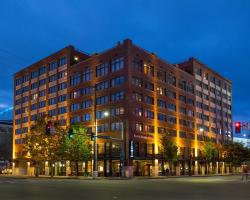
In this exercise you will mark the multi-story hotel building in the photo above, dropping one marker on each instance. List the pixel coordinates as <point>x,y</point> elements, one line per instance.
<point>145,97</point>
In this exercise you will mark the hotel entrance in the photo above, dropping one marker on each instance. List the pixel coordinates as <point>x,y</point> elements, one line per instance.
<point>143,168</point>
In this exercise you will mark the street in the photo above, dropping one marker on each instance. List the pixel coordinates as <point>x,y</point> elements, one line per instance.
<point>200,188</point>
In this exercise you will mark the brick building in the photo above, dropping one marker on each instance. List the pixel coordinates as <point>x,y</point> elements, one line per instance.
<point>137,96</point>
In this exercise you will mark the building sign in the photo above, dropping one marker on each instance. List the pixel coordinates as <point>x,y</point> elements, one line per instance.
<point>131,149</point>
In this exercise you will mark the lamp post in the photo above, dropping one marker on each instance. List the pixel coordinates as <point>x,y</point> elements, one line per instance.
<point>95,171</point>
<point>106,114</point>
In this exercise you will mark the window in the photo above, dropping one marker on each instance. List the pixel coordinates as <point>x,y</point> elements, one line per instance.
<point>86,91</point>
<point>116,126</point>
<point>62,110</point>
<point>42,104</point>
<point>162,117</point>
<point>171,119</point>
<point>149,100</point>
<point>198,71</point>
<point>199,104</point>
<point>42,82</point>
<point>138,112</point>
<point>74,107</point>
<point>139,127</point>
<point>161,103</point>
<point>117,111</point>
<point>26,78</point>
<point>87,75</point>
<point>25,99</point>
<point>19,81</point>
<point>52,112</point>
<point>172,132</point>
<point>162,130</point>
<point>102,100</point>
<point>52,65</point>
<point>34,85</point>
<point>171,79</point>
<point>53,78</point>
<point>52,89</point>
<point>42,93</point>
<point>190,113</point>
<point>42,70</point>
<point>149,128</point>
<point>149,114</point>
<point>34,106</point>
<point>100,114</point>
<point>62,74</point>
<point>52,101</point>
<point>183,111</point>
<point>75,79</point>
<point>102,86</point>
<point>102,70</point>
<point>102,128</point>
<point>182,134</point>
<point>148,69</point>
<point>87,117</point>
<point>117,64</point>
<point>62,86</point>
<point>62,61</point>
<point>137,81</point>
<point>62,98</point>
<point>34,96</point>
<point>183,122</point>
<point>117,81</point>
<point>170,94</point>
<point>171,107</point>
<point>137,97</point>
<point>137,65</point>
<point>190,101</point>
<point>35,74</point>
<point>182,98</point>
<point>87,103</point>
<point>182,85</point>
<point>117,96</point>
<point>74,119</point>
<point>149,86</point>
<point>190,88</point>
<point>161,76</point>
<point>160,90</point>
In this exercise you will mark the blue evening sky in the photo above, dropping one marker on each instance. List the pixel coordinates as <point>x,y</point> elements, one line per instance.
<point>217,32</point>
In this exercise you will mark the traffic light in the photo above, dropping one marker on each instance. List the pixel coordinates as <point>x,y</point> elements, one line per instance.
<point>92,136</point>
<point>71,133</point>
<point>237,127</point>
<point>48,128</point>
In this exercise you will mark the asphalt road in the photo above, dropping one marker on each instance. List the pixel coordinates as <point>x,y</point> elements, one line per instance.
<point>200,188</point>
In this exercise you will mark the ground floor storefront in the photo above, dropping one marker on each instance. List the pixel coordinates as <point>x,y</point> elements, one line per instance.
<point>117,168</point>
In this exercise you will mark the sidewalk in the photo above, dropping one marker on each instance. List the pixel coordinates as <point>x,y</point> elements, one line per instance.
<point>109,178</point>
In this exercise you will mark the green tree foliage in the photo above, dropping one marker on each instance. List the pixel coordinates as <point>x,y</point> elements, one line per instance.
<point>169,150</point>
<point>210,152</point>
<point>76,148</point>
<point>235,153</point>
<point>41,147</point>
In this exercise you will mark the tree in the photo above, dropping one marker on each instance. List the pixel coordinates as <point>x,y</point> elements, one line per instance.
<point>235,153</point>
<point>210,153</point>
<point>41,146</point>
<point>77,147</point>
<point>169,150</point>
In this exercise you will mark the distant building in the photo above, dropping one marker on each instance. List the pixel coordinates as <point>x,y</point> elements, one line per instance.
<point>244,136</point>
<point>6,129</point>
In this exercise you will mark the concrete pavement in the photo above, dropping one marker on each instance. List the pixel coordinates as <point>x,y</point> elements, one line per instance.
<point>195,188</point>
